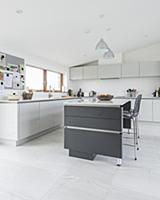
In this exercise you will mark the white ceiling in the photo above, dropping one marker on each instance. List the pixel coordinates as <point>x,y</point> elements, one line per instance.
<point>56,29</point>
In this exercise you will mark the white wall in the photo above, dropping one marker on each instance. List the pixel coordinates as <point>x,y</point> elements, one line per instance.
<point>149,53</point>
<point>119,86</point>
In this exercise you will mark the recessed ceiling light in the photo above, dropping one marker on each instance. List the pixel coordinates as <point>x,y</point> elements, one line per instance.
<point>146,36</point>
<point>87,31</point>
<point>101,16</point>
<point>108,29</point>
<point>19,11</point>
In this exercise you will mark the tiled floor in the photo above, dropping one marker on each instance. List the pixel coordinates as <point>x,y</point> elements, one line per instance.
<point>42,170</point>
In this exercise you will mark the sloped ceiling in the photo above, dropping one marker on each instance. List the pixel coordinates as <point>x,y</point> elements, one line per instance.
<point>66,31</point>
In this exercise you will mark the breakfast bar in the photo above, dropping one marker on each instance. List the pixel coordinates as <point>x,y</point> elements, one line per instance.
<point>93,128</point>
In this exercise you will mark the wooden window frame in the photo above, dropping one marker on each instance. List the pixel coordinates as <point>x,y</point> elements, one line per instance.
<point>45,80</point>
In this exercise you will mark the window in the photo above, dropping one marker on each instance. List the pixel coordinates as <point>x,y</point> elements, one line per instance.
<point>34,78</point>
<point>43,80</point>
<point>53,81</point>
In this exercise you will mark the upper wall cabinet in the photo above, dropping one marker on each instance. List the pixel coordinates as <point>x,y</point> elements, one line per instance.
<point>130,70</point>
<point>149,69</point>
<point>90,72</point>
<point>76,73</point>
<point>109,71</point>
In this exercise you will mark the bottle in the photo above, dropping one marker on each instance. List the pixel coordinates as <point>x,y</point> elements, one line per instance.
<point>154,93</point>
<point>159,92</point>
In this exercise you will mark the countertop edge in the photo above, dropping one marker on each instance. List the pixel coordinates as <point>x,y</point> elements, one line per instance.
<point>34,100</point>
<point>152,98</point>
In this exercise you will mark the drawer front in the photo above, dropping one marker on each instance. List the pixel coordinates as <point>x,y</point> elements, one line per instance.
<point>93,142</point>
<point>93,112</point>
<point>94,123</point>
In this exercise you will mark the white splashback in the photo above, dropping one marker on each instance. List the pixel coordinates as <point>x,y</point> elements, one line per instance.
<point>118,86</point>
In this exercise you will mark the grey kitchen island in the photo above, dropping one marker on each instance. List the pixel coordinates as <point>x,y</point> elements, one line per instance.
<point>93,128</point>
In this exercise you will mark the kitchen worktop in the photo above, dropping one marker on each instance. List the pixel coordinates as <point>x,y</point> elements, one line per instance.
<point>143,97</point>
<point>97,103</point>
<point>36,100</point>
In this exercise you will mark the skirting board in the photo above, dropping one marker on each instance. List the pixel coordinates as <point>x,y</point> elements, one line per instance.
<point>27,139</point>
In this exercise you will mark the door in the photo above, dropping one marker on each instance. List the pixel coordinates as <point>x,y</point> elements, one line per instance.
<point>51,114</point>
<point>90,72</point>
<point>130,70</point>
<point>146,110</point>
<point>156,110</point>
<point>109,71</point>
<point>149,69</point>
<point>28,119</point>
<point>76,73</point>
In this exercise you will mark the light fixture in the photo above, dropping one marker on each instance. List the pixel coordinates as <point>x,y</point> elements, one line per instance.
<point>101,16</point>
<point>108,29</point>
<point>108,54</point>
<point>19,11</point>
<point>87,31</point>
<point>101,45</point>
<point>146,36</point>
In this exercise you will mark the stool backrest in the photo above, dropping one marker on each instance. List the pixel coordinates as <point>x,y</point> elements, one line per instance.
<point>137,105</point>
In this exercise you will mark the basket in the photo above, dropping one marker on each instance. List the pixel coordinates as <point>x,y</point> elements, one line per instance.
<point>107,97</point>
<point>27,96</point>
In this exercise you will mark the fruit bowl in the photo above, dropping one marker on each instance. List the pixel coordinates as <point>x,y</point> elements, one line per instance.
<point>105,97</point>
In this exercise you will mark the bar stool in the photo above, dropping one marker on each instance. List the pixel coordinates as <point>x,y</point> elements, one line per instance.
<point>133,115</point>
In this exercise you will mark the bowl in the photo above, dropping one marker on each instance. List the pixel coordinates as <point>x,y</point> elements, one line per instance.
<point>105,97</point>
<point>27,96</point>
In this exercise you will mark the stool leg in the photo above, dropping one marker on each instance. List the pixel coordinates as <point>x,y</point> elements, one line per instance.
<point>119,162</point>
<point>134,132</point>
<point>138,129</point>
<point>137,142</point>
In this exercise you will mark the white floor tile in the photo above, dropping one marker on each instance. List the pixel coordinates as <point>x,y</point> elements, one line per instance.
<point>42,170</point>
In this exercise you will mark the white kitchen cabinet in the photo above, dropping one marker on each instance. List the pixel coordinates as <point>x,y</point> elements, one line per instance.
<point>90,72</point>
<point>51,114</point>
<point>146,110</point>
<point>28,119</point>
<point>149,69</point>
<point>130,70</point>
<point>156,110</point>
<point>8,121</point>
<point>76,73</point>
<point>109,71</point>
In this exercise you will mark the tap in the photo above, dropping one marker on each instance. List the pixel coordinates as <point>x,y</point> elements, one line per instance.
<point>50,92</point>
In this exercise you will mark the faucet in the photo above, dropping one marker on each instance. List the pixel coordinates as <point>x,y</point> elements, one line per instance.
<point>50,92</point>
<point>50,95</point>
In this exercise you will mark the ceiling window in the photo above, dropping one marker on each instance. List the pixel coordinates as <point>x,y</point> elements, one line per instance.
<point>34,78</point>
<point>54,81</point>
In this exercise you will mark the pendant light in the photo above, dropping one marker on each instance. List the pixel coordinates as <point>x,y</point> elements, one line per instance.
<point>101,45</point>
<point>108,54</point>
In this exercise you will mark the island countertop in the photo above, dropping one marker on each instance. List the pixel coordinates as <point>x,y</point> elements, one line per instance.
<point>112,103</point>
<point>143,97</point>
